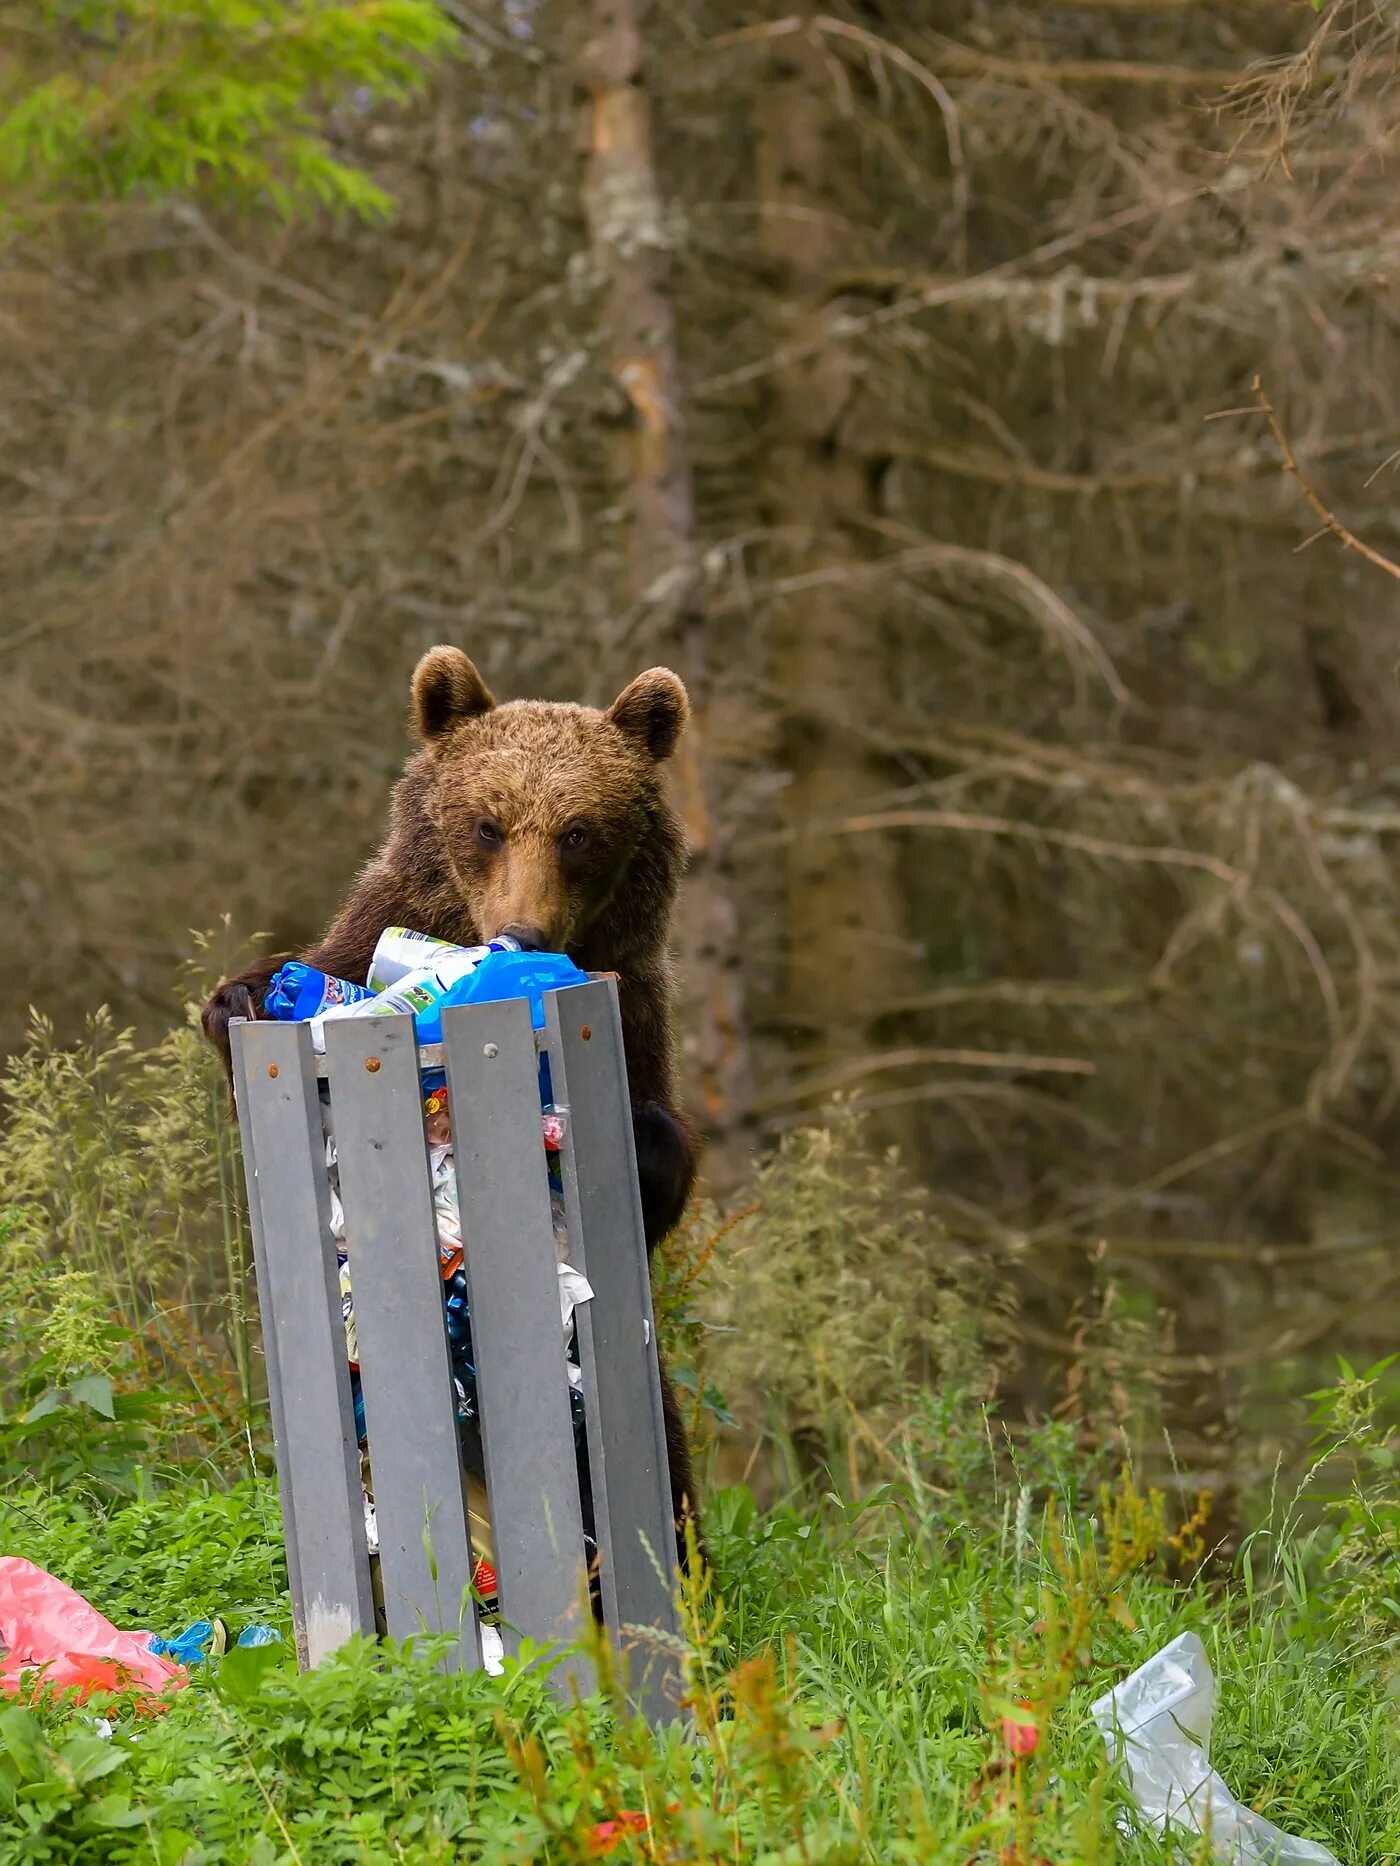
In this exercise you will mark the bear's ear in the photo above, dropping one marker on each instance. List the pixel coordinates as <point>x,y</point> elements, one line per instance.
<point>446,690</point>
<point>653,711</point>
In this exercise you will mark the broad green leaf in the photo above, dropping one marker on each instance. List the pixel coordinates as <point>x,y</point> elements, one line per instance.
<point>95,1392</point>
<point>114,1811</point>
<point>90,1758</point>
<point>243,1670</point>
<point>23,1739</point>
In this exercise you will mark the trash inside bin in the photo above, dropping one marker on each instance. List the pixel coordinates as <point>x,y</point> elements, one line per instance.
<point>448,975</point>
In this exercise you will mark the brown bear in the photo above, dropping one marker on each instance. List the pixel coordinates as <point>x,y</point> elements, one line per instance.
<point>550,823</point>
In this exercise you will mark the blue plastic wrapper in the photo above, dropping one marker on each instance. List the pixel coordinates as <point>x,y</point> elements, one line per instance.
<point>528,975</point>
<point>187,1648</point>
<point>204,1637</point>
<point>503,975</point>
<point>259,1636</point>
<point>299,991</point>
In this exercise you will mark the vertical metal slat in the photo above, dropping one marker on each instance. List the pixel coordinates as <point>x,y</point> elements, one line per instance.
<point>628,1466</point>
<point>405,1375</point>
<point>269,1337</point>
<point>299,1300</point>
<point>531,1473</point>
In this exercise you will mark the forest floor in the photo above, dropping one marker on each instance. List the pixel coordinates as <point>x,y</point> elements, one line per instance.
<point>906,1678</point>
<point>896,1662</point>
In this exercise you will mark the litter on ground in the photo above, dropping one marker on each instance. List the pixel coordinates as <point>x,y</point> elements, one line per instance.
<point>1157,1726</point>
<point>53,1639</point>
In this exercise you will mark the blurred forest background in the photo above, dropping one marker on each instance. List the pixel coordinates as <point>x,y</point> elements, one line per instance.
<point>889,371</point>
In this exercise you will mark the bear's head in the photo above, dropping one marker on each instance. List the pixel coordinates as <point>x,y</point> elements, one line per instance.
<point>545,813</point>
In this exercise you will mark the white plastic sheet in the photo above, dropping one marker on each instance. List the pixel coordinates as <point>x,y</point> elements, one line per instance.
<point>1157,1724</point>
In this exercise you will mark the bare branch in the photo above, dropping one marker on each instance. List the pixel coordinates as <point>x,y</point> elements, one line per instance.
<point>1086,70</point>
<point>963,823</point>
<point>1329,519</point>
<point>879,47</point>
<point>829,1081</point>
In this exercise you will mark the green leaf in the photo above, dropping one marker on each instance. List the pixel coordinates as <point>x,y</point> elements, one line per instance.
<point>51,1401</point>
<point>89,1758</point>
<point>95,1392</point>
<point>114,1811</point>
<point>243,1671</point>
<point>176,1846</point>
<point>23,1739</point>
<point>732,1510</point>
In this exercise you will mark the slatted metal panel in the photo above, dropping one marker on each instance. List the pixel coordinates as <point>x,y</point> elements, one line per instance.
<point>527,1434</point>
<point>491,1057</point>
<point>628,1467</point>
<point>300,1301</point>
<point>405,1375</point>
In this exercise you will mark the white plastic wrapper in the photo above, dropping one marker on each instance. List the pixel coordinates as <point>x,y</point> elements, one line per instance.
<point>1157,1724</point>
<point>317,1025</point>
<point>493,1651</point>
<point>446,1212</point>
<point>574,1287</point>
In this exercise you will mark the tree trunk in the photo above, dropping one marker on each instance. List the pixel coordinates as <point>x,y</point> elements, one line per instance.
<point>651,468</point>
<point>847,916</point>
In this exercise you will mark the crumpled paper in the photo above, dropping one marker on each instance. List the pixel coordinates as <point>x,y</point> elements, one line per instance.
<point>1157,1725</point>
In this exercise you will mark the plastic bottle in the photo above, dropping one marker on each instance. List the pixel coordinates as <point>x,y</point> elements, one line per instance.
<point>299,991</point>
<point>423,993</point>
<point>401,951</point>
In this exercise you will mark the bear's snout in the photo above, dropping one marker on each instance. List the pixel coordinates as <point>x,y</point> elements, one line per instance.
<point>528,938</point>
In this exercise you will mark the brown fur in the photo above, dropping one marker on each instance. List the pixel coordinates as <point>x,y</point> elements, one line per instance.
<point>479,844</point>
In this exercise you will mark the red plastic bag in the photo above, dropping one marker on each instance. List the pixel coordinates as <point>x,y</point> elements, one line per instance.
<point>50,1632</point>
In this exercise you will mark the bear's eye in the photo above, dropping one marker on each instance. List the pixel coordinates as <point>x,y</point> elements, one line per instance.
<point>490,835</point>
<point>574,838</point>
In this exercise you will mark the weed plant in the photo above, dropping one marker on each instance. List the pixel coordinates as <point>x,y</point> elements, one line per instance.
<point>893,1661</point>
<point>861,1682</point>
<point>126,1292</point>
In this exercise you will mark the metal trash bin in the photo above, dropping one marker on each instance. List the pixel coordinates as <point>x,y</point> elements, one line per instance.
<point>372,1072</point>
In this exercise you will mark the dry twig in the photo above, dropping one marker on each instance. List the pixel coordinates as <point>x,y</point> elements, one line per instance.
<point>1329,518</point>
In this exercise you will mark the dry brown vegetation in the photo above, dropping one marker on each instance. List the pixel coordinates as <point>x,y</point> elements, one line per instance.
<point>890,370</point>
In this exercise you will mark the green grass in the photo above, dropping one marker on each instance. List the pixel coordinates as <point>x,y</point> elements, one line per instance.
<point>848,1697</point>
<point>849,1674</point>
<point>158,1562</point>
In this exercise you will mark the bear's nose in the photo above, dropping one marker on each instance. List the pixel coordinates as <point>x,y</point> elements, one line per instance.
<point>529,939</point>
